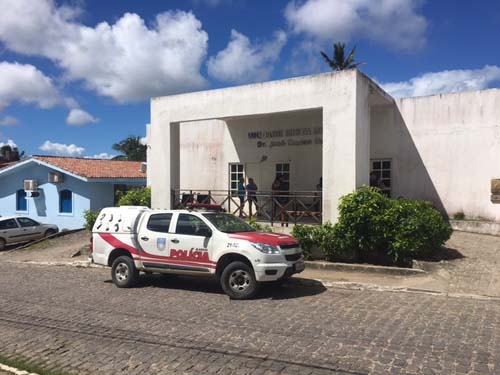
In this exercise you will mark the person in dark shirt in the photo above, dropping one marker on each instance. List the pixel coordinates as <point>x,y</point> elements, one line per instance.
<point>241,194</point>
<point>252,196</point>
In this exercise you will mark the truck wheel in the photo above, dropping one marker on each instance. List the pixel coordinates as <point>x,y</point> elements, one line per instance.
<point>124,273</point>
<point>238,281</point>
<point>2,244</point>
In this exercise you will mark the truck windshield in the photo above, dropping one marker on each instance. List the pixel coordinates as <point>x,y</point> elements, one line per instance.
<point>228,223</point>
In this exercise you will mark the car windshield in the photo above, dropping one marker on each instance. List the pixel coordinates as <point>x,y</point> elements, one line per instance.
<point>228,223</point>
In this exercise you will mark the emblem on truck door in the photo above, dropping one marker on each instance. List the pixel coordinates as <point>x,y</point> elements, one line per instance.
<point>161,243</point>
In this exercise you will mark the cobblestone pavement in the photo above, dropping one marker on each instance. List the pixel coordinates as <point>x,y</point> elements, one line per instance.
<point>76,320</point>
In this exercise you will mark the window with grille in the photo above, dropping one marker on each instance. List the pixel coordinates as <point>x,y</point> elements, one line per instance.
<point>236,171</point>
<point>382,170</point>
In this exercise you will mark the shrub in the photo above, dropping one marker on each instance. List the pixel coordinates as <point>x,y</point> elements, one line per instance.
<point>417,229</point>
<point>459,216</point>
<point>374,227</point>
<point>258,227</point>
<point>306,237</point>
<point>136,197</point>
<point>362,228</point>
<point>90,218</point>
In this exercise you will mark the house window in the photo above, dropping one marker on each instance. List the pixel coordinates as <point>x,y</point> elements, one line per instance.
<point>236,171</point>
<point>21,202</point>
<point>65,202</point>
<point>382,169</point>
<point>283,169</point>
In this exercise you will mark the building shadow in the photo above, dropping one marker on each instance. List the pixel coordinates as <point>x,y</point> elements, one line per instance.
<point>293,288</point>
<point>392,139</point>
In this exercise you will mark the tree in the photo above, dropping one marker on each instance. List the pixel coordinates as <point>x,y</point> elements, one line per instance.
<point>132,149</point>
<point>339,61</point>
<point>10,154</point>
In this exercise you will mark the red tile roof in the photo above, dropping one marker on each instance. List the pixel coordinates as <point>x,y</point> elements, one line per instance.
<point>96,168</point>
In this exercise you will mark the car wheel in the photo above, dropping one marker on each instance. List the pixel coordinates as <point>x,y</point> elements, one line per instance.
<point>50,232</point>
<point>124,273</point>
<point>2,244</point>
<point>238,281</point>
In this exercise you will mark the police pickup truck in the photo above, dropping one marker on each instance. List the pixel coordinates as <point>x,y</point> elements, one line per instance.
<point>192,242</point>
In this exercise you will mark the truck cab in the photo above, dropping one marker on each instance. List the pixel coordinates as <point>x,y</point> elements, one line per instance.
<point>192,242</point>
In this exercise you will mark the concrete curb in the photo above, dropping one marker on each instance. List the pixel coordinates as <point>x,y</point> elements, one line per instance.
<point>367,268</point>
<point>14,370</point>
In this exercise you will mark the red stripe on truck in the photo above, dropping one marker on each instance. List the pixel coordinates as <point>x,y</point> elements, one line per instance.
<point>117,244</point>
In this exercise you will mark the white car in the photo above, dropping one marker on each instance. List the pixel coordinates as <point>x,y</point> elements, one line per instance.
<point>133,239</point>
<point>15,229</point>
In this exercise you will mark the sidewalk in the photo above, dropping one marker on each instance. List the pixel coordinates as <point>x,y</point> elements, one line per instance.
<point>476,273</point>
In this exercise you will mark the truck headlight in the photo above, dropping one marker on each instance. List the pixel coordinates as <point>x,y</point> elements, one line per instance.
<point>265,248</point>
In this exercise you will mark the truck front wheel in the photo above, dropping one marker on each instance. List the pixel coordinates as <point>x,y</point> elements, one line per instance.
<point>124,273</point>
<point>238,281</point>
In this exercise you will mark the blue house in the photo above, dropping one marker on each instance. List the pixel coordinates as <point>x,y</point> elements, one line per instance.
<point>57,190</point>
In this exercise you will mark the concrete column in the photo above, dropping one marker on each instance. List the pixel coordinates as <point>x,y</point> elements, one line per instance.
<point>163,162</point>
<point>346,147</point>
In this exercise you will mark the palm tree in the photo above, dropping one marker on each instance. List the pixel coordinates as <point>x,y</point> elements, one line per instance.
<point>339,61</point>
<point>132,149</point>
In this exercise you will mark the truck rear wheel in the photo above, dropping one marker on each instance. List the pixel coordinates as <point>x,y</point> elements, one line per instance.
<point>2,243</point>
<point>238,281</point>
<point>124,273</point>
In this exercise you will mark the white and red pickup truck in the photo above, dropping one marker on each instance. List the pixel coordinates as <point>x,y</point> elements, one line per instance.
<point>188,242</point>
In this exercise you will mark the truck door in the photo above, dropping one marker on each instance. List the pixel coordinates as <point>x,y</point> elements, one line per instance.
<point>153,237</point>
<point>189,246</point>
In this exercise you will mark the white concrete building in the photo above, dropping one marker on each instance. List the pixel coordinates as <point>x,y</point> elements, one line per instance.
<point>339,126</point>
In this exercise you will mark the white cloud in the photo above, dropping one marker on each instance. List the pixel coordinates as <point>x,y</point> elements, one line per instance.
<point>127,60</point>
<point>9,142</point>
<point>78,117</point>
<point>9,121</point>
<point>241,61</point>
<point>102,155</point>
<point>395,23</point>
<point>62,149</point>
<point>446,81</point>
<point>26,84</point>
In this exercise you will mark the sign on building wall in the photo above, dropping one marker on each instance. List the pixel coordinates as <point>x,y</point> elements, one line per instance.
<point>495,190</point>
<point>287,137</point>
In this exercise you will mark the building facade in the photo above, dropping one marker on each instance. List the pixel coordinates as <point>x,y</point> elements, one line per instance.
<point>337,128</point>
<point>64,187</point>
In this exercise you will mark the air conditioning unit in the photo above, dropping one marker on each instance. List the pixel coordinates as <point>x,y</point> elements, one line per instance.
<point>56,178</point>
<point>144,167</point>
<point>30,185</point>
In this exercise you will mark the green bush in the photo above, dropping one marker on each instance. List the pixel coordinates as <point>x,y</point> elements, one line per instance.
<point>258,227</point>
<point>90,218</point>
<point>417,229</point>
<point>306,237</point>
<point>459,216</point>
<point>136,197</point>
<point>372,226</point>
<point>361,230</point>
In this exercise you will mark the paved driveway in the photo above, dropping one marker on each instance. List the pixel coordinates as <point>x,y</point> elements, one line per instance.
<point>76,320</point>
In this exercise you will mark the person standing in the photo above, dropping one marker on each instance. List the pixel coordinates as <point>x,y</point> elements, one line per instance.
<point>252,196</point>
<point>241,194</point>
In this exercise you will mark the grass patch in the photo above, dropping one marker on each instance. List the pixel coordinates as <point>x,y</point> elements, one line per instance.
<point>29,366</point>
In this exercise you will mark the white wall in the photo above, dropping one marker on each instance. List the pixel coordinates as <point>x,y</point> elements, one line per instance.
<point>344,129</point>
<point>211,145</point>
<point>445,148</point>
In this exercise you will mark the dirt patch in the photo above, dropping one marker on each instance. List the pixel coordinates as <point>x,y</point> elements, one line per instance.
<point>61,248</point>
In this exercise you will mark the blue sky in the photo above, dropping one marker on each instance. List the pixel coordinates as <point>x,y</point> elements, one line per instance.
<point>75,76</point>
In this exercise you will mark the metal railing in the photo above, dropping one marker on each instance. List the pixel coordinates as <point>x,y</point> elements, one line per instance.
<point>284,207</point>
